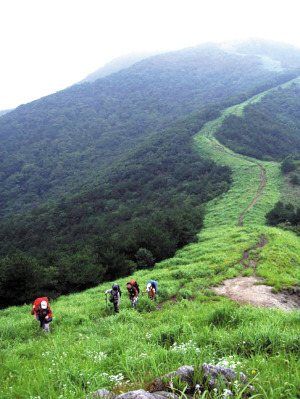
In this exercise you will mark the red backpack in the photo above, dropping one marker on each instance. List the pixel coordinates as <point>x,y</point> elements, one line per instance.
<point>135,284</point>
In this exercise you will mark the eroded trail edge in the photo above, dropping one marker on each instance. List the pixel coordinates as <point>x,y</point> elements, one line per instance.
<point>252,291</point>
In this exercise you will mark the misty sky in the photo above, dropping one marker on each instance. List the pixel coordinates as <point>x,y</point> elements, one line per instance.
<point>47,45</point>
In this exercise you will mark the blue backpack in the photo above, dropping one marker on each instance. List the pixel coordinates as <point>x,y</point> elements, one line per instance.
<point>153,283</point>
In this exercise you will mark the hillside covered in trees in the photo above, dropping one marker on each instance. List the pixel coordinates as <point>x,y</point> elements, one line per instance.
<point>51,147</point>
<point>102,178</point>
<point>269,129</point>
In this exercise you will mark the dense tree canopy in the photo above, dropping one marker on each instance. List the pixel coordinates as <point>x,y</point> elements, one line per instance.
<point>52,146</point>
<point>269,129</point>
<point>152,199</point>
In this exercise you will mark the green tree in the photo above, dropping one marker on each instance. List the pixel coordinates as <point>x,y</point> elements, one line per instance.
<point>21,279</point>
<point>144,259</point>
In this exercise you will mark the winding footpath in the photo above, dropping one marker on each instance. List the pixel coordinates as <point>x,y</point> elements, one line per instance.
<point>259,194</point>
<point>250,290</point>
<point>263,178</point>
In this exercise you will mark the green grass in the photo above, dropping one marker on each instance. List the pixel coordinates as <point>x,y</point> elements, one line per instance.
<point>91,348</point>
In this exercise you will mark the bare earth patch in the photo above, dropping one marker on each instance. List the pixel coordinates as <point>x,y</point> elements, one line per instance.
<point>242,289</point>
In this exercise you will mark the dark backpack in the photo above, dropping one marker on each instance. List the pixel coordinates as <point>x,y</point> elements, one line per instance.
<point>42,313</point>
<point>135,284</point>
<point>117,288</point>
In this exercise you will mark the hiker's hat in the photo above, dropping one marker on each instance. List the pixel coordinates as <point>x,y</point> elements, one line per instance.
<point>148,286</point>
<point>44,305</point>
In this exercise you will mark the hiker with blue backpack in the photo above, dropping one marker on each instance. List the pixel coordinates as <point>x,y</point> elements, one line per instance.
<point>115,296</point>
<point>151,289</point>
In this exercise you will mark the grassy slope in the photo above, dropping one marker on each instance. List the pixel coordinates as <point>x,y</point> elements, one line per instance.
<point>87,341</point>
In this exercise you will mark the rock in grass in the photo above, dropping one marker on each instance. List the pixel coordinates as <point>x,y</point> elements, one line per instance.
<point>164,395</point>
<point>184,372</point>
<point>215,375</point>
<point>102,393</point>
<point>141,394</point>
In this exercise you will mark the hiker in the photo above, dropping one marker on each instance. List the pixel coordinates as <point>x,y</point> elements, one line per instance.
<point>133,292</point>
<point>115,296</point>
<point>151,289</point>
<point>42,312</point>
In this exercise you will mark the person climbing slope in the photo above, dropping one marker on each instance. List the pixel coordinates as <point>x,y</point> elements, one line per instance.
<point>133,292</point>
<point>115,296</point>
<point>151,289</point>
<point>42,312</point>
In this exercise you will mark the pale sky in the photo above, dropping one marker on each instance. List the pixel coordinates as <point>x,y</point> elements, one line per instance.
<point>47,45</point>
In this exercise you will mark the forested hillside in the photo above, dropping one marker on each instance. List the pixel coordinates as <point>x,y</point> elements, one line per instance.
<point>269,129</point>
<point>117,64</point>
<point>102,178</point>
<point>51,147</point>
<point>147,207</point>
<point>5,112</point>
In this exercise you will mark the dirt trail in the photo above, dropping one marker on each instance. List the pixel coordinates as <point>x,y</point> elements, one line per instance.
<point>244,290</point>
<point>252,263</point>
<point>263,179</point>
<point>250,290</point>
<point>259,193</point>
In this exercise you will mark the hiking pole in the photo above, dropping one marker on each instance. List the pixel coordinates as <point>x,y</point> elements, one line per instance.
<point>36,327</point>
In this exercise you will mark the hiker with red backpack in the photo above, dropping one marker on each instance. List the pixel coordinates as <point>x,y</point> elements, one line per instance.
<point>42,312</point>
<point>115,296</point>
<point>133,292</point>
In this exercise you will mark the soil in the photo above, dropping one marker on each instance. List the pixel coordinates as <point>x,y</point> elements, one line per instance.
<point>244,290</point>
<point>173,299</point>
<point>251,290</point>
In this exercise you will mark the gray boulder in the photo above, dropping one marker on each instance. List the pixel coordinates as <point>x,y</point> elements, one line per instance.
<point>102,393</point>
<point>141,394</point>
<point>185,372</point>
<point>213,375</point>
<point>164,395</point>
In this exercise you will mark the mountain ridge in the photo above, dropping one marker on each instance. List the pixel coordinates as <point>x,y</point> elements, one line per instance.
<point>117,64</point>
<point>139,182</point>
<point>108,115</point>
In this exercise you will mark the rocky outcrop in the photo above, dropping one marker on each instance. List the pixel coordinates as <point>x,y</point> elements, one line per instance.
<point>141,394</point>
<point>162,388</point>
<point>216,375</point>
<point>103,393</point>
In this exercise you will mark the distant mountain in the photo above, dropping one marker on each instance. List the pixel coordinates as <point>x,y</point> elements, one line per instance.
<point>5,111</point>
<point>54,146</point>
<point>117,64</point>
